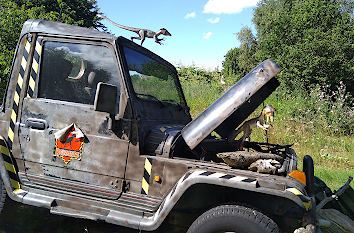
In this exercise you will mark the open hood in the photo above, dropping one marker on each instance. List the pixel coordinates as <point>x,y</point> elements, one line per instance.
<point>234,106</point>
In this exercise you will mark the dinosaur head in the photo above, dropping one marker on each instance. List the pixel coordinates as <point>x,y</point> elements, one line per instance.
<point>268,111</point>
<point>165,32</point>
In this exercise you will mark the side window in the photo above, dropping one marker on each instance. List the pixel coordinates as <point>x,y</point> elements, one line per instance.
<point>71,71</point>
<point>151,79</point>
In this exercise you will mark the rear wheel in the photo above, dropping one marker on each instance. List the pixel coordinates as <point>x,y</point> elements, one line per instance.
<point>233,218</point>
<point>2,195</point>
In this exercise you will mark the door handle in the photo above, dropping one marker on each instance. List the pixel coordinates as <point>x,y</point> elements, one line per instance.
<point>36,123</point>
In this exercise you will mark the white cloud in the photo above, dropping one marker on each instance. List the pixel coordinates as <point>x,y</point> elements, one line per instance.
<point>207,35</point>
<point>227,6</point>
<point>190,15</point>
<point>216,20</point>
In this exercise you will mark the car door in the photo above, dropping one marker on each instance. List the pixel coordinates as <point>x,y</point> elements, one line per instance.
<point>65,143</point>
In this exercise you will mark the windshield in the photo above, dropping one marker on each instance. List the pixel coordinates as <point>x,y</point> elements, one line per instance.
<point>151,79</point>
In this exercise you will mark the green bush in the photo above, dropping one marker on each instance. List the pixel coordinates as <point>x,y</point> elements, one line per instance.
<point>329,111</point>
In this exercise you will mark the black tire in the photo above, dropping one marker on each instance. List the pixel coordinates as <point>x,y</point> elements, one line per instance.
<point>233,218</point>
<point>2,195</point>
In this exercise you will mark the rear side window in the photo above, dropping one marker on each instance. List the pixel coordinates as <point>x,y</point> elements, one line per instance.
<point>71,71</point>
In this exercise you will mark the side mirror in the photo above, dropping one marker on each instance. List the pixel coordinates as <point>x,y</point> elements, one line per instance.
<point>106,98</point>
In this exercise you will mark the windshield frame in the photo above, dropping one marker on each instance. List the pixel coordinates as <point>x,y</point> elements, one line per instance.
<point>123,42</point>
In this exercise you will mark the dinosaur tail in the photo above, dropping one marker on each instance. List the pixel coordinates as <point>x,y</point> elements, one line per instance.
<point>118,25</point>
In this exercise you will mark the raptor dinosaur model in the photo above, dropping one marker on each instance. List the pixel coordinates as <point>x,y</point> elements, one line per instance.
<point>143,33</point>
<point>247,127</point>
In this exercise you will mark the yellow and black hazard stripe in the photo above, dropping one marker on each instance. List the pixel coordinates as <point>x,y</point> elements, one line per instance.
<point>9,165</point>
<point>211,175</point>
<point>5,149</point>
<point>145,183</point>
<point>34,68</point>
<point>19,85</point>
<point>305,200</point>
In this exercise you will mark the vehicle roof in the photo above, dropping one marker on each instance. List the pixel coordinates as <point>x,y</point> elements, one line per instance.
<point>55,28</point>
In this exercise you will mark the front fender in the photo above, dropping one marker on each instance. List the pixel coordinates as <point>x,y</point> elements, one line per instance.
<point>208,177</point>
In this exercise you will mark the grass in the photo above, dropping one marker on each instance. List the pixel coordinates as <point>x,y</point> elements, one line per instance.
<point>334,177</point>
<point>200,95</point>
<point>330,146</point>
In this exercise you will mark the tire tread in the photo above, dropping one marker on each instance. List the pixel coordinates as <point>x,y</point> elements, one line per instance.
<point>236,211</point>
<point>2,195</point>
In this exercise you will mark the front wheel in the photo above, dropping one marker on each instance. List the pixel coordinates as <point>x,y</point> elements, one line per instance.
<point>233,218</point>
<point>2,195</point>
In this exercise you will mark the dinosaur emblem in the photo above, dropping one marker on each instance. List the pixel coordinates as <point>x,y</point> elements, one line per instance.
<point>143,33</point>
<point>69,140</point>
<point>69,146</point>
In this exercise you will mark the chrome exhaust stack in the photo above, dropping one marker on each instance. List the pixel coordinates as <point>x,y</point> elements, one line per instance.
<point>231,101</point>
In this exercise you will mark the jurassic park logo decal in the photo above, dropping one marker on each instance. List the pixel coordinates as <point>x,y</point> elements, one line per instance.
<point>68,145</point>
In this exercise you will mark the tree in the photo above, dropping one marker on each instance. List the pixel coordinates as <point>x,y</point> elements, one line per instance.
<point>77,12</point>
<point>239,61</point>
<point>312,40</point>
<point>230,64</point>
<point>247,51</point>
<point>13,13</point>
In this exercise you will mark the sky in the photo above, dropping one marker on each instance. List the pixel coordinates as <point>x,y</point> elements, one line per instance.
<point>202,30</point>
